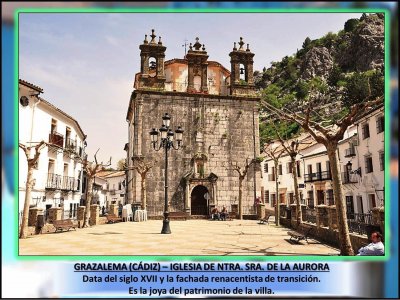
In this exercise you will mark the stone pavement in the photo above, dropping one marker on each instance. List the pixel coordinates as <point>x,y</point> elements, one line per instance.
<point>192,237</point>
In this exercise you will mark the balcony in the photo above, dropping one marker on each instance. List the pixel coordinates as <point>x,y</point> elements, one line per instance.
<point>271,177</point>
<point>349,178</point>
<point>318,176</point>
<point>70,145</point>
<point>56,139</point>
<point>69,184</point>
<point>350,152</point>
<point>53,181</point>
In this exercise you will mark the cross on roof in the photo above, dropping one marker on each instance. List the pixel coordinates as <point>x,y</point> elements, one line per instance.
<point>153,36</point>
<point>241,43</point>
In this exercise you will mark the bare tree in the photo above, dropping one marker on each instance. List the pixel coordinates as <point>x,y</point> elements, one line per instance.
<point>291,147</point>
<point>30,181</point>
<point>142,167</point>
<point>242,172</point>
<point>275,153</point>
<point>329,135</point>
<point>91,168</point>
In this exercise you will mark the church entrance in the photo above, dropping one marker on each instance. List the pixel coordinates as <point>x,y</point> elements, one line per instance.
<point>199,200</point>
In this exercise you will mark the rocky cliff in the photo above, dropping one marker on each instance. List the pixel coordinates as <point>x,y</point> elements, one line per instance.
<point>357,48</point>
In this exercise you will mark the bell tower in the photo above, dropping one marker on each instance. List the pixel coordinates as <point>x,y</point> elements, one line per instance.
<point>197,68</point>
<point>242,80</point>
<point>152,54</point>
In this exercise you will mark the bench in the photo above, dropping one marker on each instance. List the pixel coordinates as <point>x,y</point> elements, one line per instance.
<point>300,236</point>
<point>113,218</point>
<point>60,225</point>
<point>264,220</point>
<point>178,215</point>
<point>230,216</point>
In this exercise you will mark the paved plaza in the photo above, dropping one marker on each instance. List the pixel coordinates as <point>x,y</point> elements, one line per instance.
<point>192,237</point>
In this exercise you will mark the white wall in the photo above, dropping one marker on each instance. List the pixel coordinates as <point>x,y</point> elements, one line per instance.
<point>35,126</point>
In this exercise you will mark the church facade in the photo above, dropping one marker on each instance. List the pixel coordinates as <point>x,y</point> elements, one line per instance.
<point>218,111</point>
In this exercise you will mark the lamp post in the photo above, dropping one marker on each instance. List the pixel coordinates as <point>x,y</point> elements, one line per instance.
<point>166,142</point>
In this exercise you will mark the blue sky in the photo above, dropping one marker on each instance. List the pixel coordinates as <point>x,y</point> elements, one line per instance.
<point>86,62</point>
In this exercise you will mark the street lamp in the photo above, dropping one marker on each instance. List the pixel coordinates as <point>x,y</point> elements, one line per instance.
<point>166,142</point>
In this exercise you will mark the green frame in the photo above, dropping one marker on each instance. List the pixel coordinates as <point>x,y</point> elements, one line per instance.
<point>208,258</point>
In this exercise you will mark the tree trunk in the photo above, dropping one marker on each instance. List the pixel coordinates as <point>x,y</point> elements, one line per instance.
<point>88,201</point>
<point>143,192</point>
<point>344,237</point>
<point>277,204</point>
<point>240,198</point>
<point>28,189</point>
<point>296,191</point>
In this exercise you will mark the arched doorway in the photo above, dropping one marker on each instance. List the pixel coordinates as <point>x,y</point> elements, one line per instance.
<point>199,203</point>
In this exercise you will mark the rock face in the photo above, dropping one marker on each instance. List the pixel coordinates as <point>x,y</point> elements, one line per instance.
<point>317,62</point>
<point>356,50</point>
<point>366,49</point>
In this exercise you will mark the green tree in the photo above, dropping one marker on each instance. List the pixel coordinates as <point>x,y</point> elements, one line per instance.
<point>335,75</point>
<point>351,24</point>
<point>121,164</point>
<point>306,43</point>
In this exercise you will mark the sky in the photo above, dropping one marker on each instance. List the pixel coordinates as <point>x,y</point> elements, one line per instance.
<point>86,63</point>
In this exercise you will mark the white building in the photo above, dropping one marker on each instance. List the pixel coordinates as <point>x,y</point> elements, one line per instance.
<point>317,172</point>
<point>99,192</point>
<point>361,160</point>
<point>285,174</point>
<point>114,186</point>
<point>58,172</point>
<point>364,163</point>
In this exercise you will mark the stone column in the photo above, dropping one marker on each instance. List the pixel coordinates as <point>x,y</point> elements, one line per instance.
<point>332,217</point>
<point>260,210</point>
<point>113,209</point>
<point>293,211</point>
<point>282,210</point>
<point>322,220</point>
<point>54,214</point>
<point>94,214</point>
<point>81,216</point>
<point>187,198</point>
<point>33,213</point>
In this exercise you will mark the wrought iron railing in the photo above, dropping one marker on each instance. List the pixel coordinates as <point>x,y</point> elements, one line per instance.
<point>271,177</point>
<point>53,181</point>
<point>56,139</point>
<point>350,152</point>
<point>70,145</point>
<point>358,223</point>
<point>318,176</point>
<point>70,184</point>
<point>349,178</point>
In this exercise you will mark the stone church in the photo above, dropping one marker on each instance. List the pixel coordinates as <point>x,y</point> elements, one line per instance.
<point>218,110</point>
